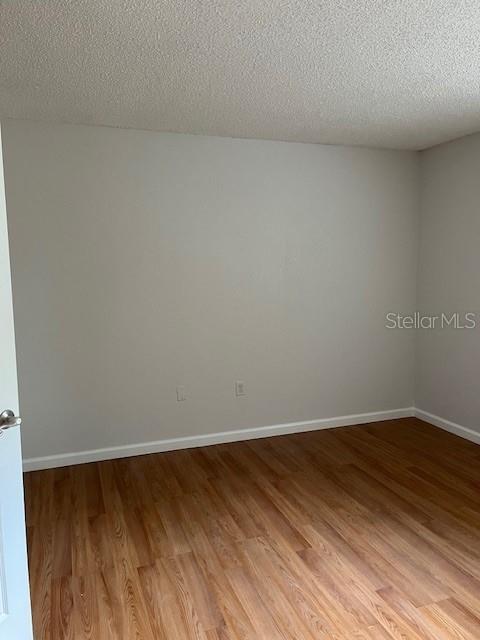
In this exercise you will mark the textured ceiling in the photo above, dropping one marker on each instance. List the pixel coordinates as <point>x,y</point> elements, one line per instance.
<point>386,73</point>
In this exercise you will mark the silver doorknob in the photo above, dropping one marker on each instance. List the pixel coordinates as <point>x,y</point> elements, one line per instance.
<point>8,420</point>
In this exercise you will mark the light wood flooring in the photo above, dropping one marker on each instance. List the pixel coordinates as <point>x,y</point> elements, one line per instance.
<point>368,532</point>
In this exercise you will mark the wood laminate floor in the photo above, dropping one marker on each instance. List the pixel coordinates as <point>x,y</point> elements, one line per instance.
<point>368,532</point>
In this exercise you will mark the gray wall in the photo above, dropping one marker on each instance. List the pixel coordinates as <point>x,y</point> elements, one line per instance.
<point>448,360</point>
<point>143,261</point>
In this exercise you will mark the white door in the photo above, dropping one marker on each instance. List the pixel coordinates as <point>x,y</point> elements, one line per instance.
<point>15,614</point>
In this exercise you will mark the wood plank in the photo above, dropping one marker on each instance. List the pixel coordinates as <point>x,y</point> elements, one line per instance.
<point>369,532</point>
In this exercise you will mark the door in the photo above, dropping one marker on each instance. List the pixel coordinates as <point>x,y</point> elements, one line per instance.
<point>15,614</point>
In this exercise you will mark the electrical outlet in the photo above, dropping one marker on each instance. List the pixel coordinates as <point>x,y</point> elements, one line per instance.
<point>240,388</point>
<point>181,394</point>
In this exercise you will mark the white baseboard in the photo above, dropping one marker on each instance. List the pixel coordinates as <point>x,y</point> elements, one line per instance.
<point>447,425</point>
<point>95,455</point>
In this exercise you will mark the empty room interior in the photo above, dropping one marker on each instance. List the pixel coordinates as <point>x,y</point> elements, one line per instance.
<point>240,320</point>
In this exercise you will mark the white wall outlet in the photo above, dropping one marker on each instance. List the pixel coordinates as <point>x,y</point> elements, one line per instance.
<point>181,394</point>
<point>240,388</point>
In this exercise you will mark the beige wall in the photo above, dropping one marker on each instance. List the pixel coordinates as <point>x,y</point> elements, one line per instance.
<point>448,361</point>
<point>143,261</point>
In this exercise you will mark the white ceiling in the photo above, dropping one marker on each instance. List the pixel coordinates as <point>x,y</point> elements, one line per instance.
<point>385,73</point>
